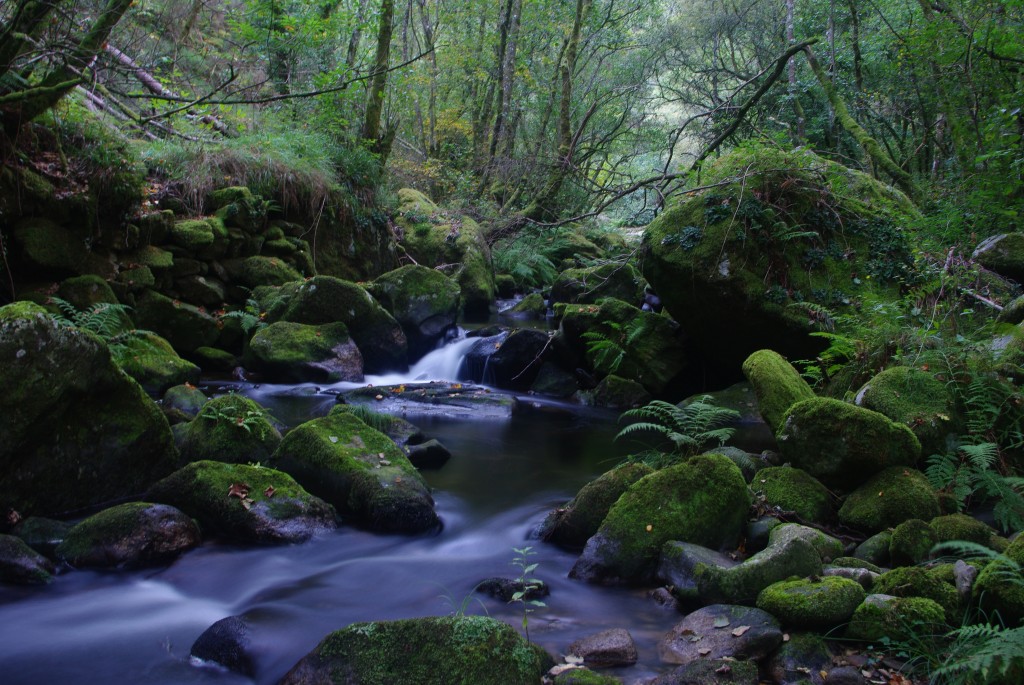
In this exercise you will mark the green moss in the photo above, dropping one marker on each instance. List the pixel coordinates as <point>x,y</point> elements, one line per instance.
<point>793,490</point>
<point>1003,254</point>
<point>225,196</point>
<point>912,542</point>
<point>532,305</point>
<point>258,270</point>
<point>192,234</point>
<point>184,326</point>
<point>916,399</point>
<point>898,618</point>
<point>85,291</point>
<point>107,526</point>
<point>298,352</point>
<point>584,676</point>
<point>21,565</point>
<point>814,604</point>
<point>914,581</point>
<point>888,499</point>
<point>961,527</point>
<point>854,562</point>
<point>777,385</point>
<point>589,284</point>
<point>232,429</point>
<point>875,549</point>
<point>151,361</point>
<point>841,444</point>
<point>462,650</point>
<point>52,246</point>
<point>999,587</point>
<point>826,546</point>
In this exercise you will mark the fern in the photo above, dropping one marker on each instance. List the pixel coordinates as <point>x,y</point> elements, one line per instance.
<point>250,317</point>
<point>690,428</point>
<point>971,473</point>
<point>109,320</point>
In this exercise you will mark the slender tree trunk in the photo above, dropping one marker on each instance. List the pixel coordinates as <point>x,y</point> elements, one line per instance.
<point>371,132</point>
<point>794,90</point>
<point>29,19</point>
<point>357,35</point>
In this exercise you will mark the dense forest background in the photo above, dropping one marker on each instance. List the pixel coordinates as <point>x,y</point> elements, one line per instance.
<point>526,110</point>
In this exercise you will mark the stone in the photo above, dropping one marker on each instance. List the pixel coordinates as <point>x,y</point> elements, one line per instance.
<point>801,660</point>
<point>231,429</point>
<point>1004,254</point>
<point>607,649</point>
<point>875,549</point>
<point>843,445</point>
<point>915,398</point>
<point>817,604</point>
<point>184,326</point>
<point>360,471</point>
<point>295,352</point>
<point>42,534</point>
<point>447,649</point>
<point>777,385</point>
<point>22,565</point>
<point>425,303</point>
<point>915,581</point>
<point>888,499</point>
<point>247,504</point>
<point>505,589</point>
<point>587,285</point>
<point>132,535</point>
<point>508,360</point>
<point>788,489</point>
<point>897,618</point>
<point>428,455</point>
<point>703,500</point>
<point>711,672</point>
<point>227,643</point>
<point>911,542</point>
<point>717,631</point>
<point>153,363</point>
<point>187,400</point>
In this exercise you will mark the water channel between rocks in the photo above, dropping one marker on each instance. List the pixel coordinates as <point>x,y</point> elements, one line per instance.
<point>93,628</point>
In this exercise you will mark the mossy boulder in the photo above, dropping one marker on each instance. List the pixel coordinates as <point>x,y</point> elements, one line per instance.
<point>360,471</point>
<point>888,499</point>
<point>186,327</point>
<point>181,403</point>
<point>572,525</point>
<point>897,618</point>
<point>827,547</point>
<point>815,604</point>
<point>51,247</point>
<point>916,399</point>
<point>587,285</point>
<point>531,306</point>
<point>88,290</point>
<point>761,239</point>
<point>454,650</point>
<point>999,587</point>
<point>437,238</point>
<point>777,385</point>
<point>325,299</point>
<point>791,489</point>
<point>843,445</point>
<point>231,429</point>
<point>961,527</point>
<point>911,543</point>
<point>1003,254</point>
<point>242,503</point>
<point>22,565</point>
<point>653,352</point>
<point>252,272</point>
<point>916,581</point>
<point>699,574</point>
<point>615,392</point>
<point>425,303</point>
<point>192,234</point>
<point>153,363</point>
<point>132,535</point>
<point>77,431</point>
<point>804,659</point>
<point>295,352</point>
<point>42,534</point>
<point>703,500</point>
<point>875,550</point>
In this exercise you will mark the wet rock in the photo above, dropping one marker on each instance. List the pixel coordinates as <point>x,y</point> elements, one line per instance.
<point>711,672</point>
<point>429,455</point>
<point>704,501</point>
<point>843,445</point>
<point>450,649</point>
<point>183,402</point>
<point>587,285</point>
<point>21,565</point>
<point>132,535</point>
<point>42,534</point>
<point>153,363</point>
<point>245,503</point>
<point>448,400</point>
<point>801,660</point>
<point>227,642</point>
<point>506,588</point>
<point>294,352</point>
<point>615,392</point>
<point>881,616</point>
<point>76,431</point>
<point>815,603</point>
<point>911,542</point>
<point>509,360</point>
<point>863,576</point>
<point>719,631</point>
<point>572,525</point>
<point>360,471</point>
<point>607,649</point>
<point>788,489</point>
<point>425,303</point>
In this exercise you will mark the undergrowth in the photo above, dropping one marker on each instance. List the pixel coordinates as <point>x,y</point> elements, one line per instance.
<point>689,428</point>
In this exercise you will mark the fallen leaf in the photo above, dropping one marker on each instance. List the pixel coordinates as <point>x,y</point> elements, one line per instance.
<point>724,668</point>
<point>739,631</point>
<point>703,651</point>
<point>239,490</point>
<point>248,502</point>
<point>721,621</point>
<point>333,438</point>
<point>269,492</point>
<point>785,637</point>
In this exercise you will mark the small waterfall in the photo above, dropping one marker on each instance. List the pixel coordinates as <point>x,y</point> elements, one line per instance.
<point>440,365</point>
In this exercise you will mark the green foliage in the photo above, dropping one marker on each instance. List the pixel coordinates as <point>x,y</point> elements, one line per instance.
<point>105,319</point>
<point>376,420</point>
<point>527,257</point>
<point>249,317</point>
<point>972,473</point>
<point>526,584</point>
<point>609,351</point>
<point>233,415</point>
<point>691,428</point>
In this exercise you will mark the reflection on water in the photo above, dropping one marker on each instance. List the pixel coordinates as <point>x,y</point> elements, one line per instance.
<point>137,627</point>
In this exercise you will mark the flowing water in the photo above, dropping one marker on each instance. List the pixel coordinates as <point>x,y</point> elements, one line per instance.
<point>504,476</point>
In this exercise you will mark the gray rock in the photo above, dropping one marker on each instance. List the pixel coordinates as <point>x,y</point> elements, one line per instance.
<point>801,660</point>
<point>428,455</point>
<point>721,630</point>
<point>606,649</point>
<point>711,672</point>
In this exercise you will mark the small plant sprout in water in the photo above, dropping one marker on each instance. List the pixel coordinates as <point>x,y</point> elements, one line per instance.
<point>527,585</point>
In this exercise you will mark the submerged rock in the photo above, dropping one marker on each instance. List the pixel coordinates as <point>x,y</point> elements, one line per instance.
<point>130,535</point>
<point>703,500</point>
<point>227,643</point>
<point>438,398</point>
<point>449,649</point>
<point>245,503</point>
<point>360,471</point>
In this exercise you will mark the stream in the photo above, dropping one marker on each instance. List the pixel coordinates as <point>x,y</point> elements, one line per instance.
<point>504,476</point>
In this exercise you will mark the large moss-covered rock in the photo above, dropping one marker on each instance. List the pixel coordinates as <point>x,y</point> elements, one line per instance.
<point>76,430</point>
<point>912,542</point>
<point>654,355</point>
<point>130,535</point>
<point>1003,254</point>
<point>962,527</point>
<point>436,238</point>
<point>897,618</point>
<point>777,385</point>
<point>510,359</point>
<point>573,524</point>
<point>915,581</point>
<point>258,270</point>
<point>61,249</point>
<point>360,471</point>
<point>916,399</point>
<point>447,650</point>
<point>86,291</point>
<point>843,445</point>
<point>21,565</point>
<point>704,501</point>
<point>184,326</point>
<point>153,363</point>
<point>325,299</point>
<point>795,490</point>
<point>999,588</point>
<point>231,429</point>
<point>888,499</point>
<point>786,227</point>
<point>244,503</point>
<point>821,603</point>
<point>295,352</point>
<point>589,284</point>
<point>425,303</point>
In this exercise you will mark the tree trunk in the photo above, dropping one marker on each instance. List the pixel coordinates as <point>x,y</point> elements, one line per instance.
<point>371,132</point>
<point>28,19</point>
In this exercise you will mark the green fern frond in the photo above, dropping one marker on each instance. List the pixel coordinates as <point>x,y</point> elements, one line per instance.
<point>690,427</point>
